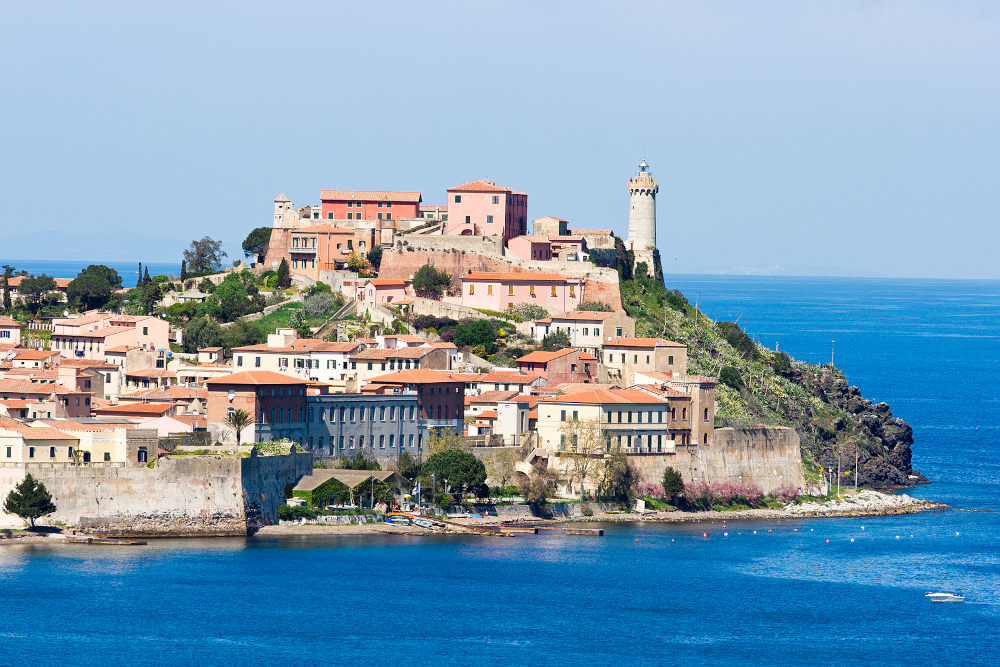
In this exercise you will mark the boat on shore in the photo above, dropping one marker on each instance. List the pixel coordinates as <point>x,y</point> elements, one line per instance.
<point>945,597</point>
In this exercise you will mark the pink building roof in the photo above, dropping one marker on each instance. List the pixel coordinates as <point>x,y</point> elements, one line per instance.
<point>369,195</point>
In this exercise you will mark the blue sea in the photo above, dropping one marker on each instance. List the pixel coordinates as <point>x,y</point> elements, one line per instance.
<point>805,592</point>
<point>70,269</point>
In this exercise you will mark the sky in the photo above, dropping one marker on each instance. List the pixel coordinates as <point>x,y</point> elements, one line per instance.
<point>796,138</point>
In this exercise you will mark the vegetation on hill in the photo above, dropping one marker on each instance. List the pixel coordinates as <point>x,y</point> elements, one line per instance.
<point>760,386</point>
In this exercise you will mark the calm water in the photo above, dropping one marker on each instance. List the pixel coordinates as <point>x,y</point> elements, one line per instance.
<point>63,269</point>
<point>638,595</point>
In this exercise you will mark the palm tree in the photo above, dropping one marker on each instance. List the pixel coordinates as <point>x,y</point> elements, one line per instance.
<point>238,420</point>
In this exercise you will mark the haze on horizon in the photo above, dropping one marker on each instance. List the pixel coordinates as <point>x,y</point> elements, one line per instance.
<point>820,138</point>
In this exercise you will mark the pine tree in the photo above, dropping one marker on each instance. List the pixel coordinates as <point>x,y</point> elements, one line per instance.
<point>29,500</point>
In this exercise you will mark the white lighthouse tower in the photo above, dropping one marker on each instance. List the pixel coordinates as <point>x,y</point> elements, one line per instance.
<point>642,191</point>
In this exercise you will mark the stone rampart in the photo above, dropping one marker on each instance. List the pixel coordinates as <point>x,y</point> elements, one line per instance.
<point>197,495</point>
<point>769,456</point>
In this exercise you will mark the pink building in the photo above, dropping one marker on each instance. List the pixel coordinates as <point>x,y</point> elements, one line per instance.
<point>380,291</point>
<point>369,205</point>
<point>499,291</point>
<point>566,365</point>
<point>91,334</point>
<point>530,247</point>
<point>10,331</point>
<point>483,208</point>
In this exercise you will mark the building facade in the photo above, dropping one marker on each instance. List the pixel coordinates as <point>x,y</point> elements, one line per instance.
<point>483,208</point>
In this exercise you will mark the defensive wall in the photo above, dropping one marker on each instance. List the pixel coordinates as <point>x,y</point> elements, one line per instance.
<point>179,496</point>
<point>769,456</point>
<point>601,284</point>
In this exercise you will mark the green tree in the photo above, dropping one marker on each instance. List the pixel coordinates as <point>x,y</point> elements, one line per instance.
<point>183,270</point>
<point>358,263</point>
<point>92,287</point>
<point>476,332</point>
<point>238,420</point>
<point>375,257</point>
<point>359,461</point>
<point>428,282</point>
<point>673,483</point>
<point>204,255</point>
<point>284,277</point>
<point>145,276</point>
<point>33,288</point>
<point>557,340</point>
<point>407,466</point>
<point>256,242</point>
<point>202,332</point>
<point>620,478</point>
<point>241,333</point>
<point>595,306</point>
<point>29,500</point>
<point>729,376</point>
<point>462,470</point>
<point>528,311</point>
<point>206,286</point>
<point>233,299</point>
<point>443,439</point>
<point>317,305</point>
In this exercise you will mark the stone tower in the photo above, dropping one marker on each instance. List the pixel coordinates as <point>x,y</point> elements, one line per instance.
<point>642,191</point>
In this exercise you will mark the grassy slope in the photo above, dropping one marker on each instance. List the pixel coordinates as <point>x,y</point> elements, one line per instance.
<point>814,400</point>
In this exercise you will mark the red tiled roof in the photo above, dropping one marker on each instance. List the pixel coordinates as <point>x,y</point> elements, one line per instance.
<point>601,396</point>
<point>301,345</point>
<point>35,354</point>
<point>490,397</point>
<point>417,376</point>
<point>533,277</point>
<point>135,408</point>
<point>642,342</point>
<point>370,195</point>
<point>540,356</point>
<point>386,282</point>
<point>322,229</point>
<point>479,186</point>
<point>8,321</point>
<point>255,378</point>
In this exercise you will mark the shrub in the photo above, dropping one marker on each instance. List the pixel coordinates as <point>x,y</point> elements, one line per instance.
<point>651,490</point>
<point>785,494</point>
<point>730,377</point>
<point>295,512</point>
<point>705,496</point>
<point>673,483</point>
<point>557,340</point>
<point>528,311</point>
<point>430,283</point>
<point>595,306</point>
<point>738,339</point>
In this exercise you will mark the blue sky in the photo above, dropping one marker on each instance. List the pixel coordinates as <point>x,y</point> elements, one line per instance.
<point>817,138</point>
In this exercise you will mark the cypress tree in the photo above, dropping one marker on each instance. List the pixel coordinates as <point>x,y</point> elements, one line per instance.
<point>183,270</point>
<point>138,281</point>
<point>284,280</point>
<point>145,277</point>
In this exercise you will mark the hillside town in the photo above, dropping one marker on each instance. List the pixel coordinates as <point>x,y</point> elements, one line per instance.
<point>395,329</point>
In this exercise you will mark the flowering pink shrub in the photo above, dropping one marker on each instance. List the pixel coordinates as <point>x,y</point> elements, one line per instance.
<point>650,489</point>
<point>785,494</point>
<point>705,495</point>
<point>813,490</point>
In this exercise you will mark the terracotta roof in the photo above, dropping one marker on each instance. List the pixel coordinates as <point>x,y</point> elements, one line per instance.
<point>603,396</point>
<point>589,315</point>
<point>255,378</point>
<point>35,354</point>
<point>172,393</point>
<point>487,414</point>
<point>209,349</point>
<point>443,346</point>
<point>530,399</point>
<point>642,342</point>
<point>29,432</point>
<point>86,363</point>
<point>532,277</point>
<point>550,217</point>
<point>121,349</point>
<point>585,356</point>
<point>194,421</point>
<point>35,374</point>
<point>385,282</point>
<point>401,353</point>
<point>479,186</point>
<point>540,356</point>
<point>370,195</point>
<point>71,425</point>
<point>511,377</point>
<point>17,403</point>
<point>151,373</point>
<point>490,397</point>
<point>8,321</point>
<point>301,345</point>
<point>136,408</point>
<point>416,376</point>
<point>531,239</point>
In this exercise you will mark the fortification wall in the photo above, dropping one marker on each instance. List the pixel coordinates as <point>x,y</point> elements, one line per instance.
<point>769,456</point>
<point>198,495</point>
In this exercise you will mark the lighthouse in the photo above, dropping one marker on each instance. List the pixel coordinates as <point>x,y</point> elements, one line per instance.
<point>642,191</point>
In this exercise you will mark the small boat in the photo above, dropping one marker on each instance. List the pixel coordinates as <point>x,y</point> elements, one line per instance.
<point>423,523</point>
<point>945,597</point>
<point>401,520</point>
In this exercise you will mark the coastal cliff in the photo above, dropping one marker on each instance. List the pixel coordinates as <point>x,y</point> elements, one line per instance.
<point>760,386</point>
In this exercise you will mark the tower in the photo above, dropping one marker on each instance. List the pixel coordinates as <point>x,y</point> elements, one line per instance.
<point>642,191</point>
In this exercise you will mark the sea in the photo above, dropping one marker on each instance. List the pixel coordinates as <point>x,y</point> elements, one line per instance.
<point>844,591</point>
<point>129,271</point>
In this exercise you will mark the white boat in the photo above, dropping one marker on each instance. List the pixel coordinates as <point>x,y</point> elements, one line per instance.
<point>423,523</point>
<point>945,597</point>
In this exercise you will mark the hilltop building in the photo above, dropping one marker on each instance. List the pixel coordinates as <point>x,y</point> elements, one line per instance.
<point>642,191</point>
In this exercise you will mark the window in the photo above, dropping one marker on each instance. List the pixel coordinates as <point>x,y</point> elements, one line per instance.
<point>510,290</point>
<point>619,416</point>
<point>629,416</point>
<point>380,205</point>
<point>659,417</point>
<point>576,415</point>
<point>381,441</point>
<point>350,216</point>
<point>684,413</point>
<point>340,442</point>
<point>531,290</point>
<point>489,219</point>
<point>553,290</point>
<point>673,413</point>
<point>706,414</point>
<point>5,333</point>
<point>670,359</point>
<point>107,456</point>
<point>239,360</point>
<point>392,414</point>
<point>704,438</point>
<point>468,219</point>
<point>145,331</point>
<point>618,332</point>
<point>392,441</point>
<point>472,288</point>
<point>572,368</point>
<point>52,452</point>
<point>647,358</point>
<point>388,204</point>
<point>572,290</point>
<point>357,204</point>
<point>562,415</point>
<point>350,204</point>
<point>458,199</point>
<point>256,362</point>
<point>388,216</point>
<point>31,452</point>
<point>380,214</point>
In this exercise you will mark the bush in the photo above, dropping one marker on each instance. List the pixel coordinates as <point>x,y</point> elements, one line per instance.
<point>595,306</point>
<point>295,512</point>
<point>677,301</point>
<point>738,339</point>
<point>782,364</point>
<point>430,283</point>
<point>785,494</point>
<point>528,311</point>
<point>673,483</point>
<point>651,490</point>
<point>706,496</point>
<point>476,333</point>
<point>730,377</point>
<point>557,340</point>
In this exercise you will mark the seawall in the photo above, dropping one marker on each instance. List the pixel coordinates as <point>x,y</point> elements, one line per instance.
<point>180,496</point>
<point>769,456</point>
